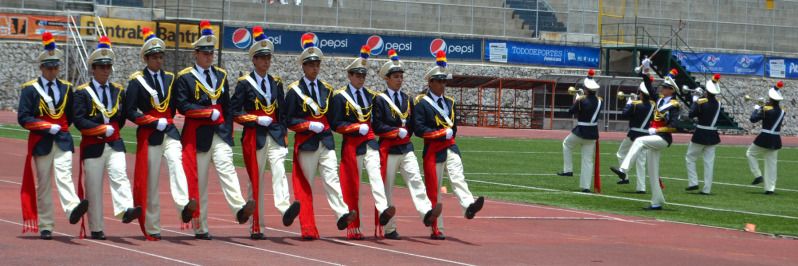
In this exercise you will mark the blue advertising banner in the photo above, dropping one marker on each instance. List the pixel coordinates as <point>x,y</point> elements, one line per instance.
<point>542,54</point>
<point>732,64</point>
<point>240,38</point>
<point>779,67</point>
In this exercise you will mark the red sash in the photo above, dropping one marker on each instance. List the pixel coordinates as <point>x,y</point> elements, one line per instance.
<point>431,174</point>
<point>189,142</point>
<point>140,173</point>
<point>350,176</point>
<point>302,190</point>
<point>386,143</point>
<point>249,148</point>
<point>30,212</point>
<point>86,141</point>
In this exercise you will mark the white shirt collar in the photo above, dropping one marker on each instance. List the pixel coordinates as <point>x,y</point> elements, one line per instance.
<point>435,97</point>
<point>152,73</point>
<point>260,79</point>
<point>201,70</point>
<point>307,82</point>
<point>45,81</point>
<point>97,84</point>
<point>352,89</point>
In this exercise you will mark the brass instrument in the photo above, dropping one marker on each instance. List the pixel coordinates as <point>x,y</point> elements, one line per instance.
<point>575,92</point>
<point>623,96</point>
<point>759,101</point>
<point>695,92</point>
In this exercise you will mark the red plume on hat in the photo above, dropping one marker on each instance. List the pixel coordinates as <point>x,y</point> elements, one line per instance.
<point>716,77</point>
<point>591,72</point>
<point>779,84</point>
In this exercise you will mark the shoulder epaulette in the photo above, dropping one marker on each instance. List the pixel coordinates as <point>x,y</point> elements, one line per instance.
<point>29,83</point>
<point>243,77</point>
<point>184,71</point>
<point>135,75</point>
<point>674,103</point>
<point>373,92</point>
<point>82,86</point>
<point>326,84</point>
<point>449,97</point>
<point>637,102</point>
<point>767,108</point>
<point>169,73</point>
<point>295,83</point>
<point>418,98</point>
<point>277,79</point>
<point>220,69</point>
<point>339,91</point>
<point>118,86</point>
<point>65,82</point>
<point>703,100</point>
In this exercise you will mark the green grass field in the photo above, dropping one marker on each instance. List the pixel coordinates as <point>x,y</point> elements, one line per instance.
<point>522,170</point>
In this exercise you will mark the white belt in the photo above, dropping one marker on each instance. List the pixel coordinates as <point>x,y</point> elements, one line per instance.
<point>637,129</point>
<point>706,127</point>
<point>772,132</point>
<point>586,124</point>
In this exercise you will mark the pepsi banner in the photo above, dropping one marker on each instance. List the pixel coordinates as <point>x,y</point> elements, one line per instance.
<point>542,54</point>
<point>287,41</point>
<point>778,67</point>
<point>721,63</point>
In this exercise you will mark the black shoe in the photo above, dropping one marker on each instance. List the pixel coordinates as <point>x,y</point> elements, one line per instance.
<point>98,235</point>
<point>437,237</point>
<point>769,192</point>
<point>203,236</point>
<point>79,211</point>
<point>386,215</point>
<point>245,212</point>
<point>433,215</point>
<point>291,213</point>
<point>257,236</point>
<point>188,211</point>
<point>345,220</point>
<point>46,235</point>
<point>618,172</point>
<point>703,193</point>
<point>652,208</point>
<point>691,188</point>
<point>565,173</point>
<point>640,192</point>
<point>393,235</point>
<point>156,236</point>
<point>757,180</point>
<point>623,182</point>
<point>474,208</point>
<point>586,191</point>
<point>131,214</point>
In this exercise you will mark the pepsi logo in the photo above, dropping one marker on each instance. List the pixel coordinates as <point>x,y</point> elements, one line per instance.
<point>241,38</point>
<point>376,44</point>
<point>437,45</point>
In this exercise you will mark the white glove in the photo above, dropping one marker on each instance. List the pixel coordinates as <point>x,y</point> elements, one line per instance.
<point>652,131</point>
<point>215,115</point>
<point>364,129</point>
<point>646,65</point>
<point>161,124</point>
<point>695,98</point>
<point>637,70</point>
<point>264,121</point>
<point>449,133</point>
<point>316,127</point>
<point>757,107</point>
<point>629,101</point>
<point>109,130</point>
<point>54,129</point>
<point>402,133</point>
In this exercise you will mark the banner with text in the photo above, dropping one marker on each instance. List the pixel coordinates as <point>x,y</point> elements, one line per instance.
<point>31,27</point>
<point>123,31</point>
<point>722,63</point>
<point>542,54</point>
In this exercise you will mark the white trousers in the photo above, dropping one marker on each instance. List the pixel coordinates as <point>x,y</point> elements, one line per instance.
<point>640,162</point>
<point>771,159</point>
<point>171,150</point>
<point>588,146</point>
<point>408,165</point>
<point>454,168</point>
<point>222,155</point>
<point>371,161</point>
<point>274,155</point>
<point>327,163</point>
<point>708,152</point>
<point>652,146</point>
<point>121,195</point>
<point>58,163</point>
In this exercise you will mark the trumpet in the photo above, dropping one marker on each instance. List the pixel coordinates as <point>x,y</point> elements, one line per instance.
<point>759,101</point>
<point>695,92</point>
<point>623,96</point>
<point>575,92</point>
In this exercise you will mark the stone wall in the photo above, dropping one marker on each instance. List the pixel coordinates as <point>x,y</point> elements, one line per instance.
<point>19,61</point>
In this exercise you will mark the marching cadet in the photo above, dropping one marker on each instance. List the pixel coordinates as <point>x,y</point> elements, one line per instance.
<point>307,101</point>
<point>434,121</point>
<point>392,118</point>
<point>585,134</point>
<point>100,115</point>
<point>768,142</point>
<point>45,109</point>
<point>203,97</point>
<point>705,138</point>
<point>351,117</point>
<point>665,118</point>
<point>150,105</point>
<point>259,105</point>
<point>639,113</point>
